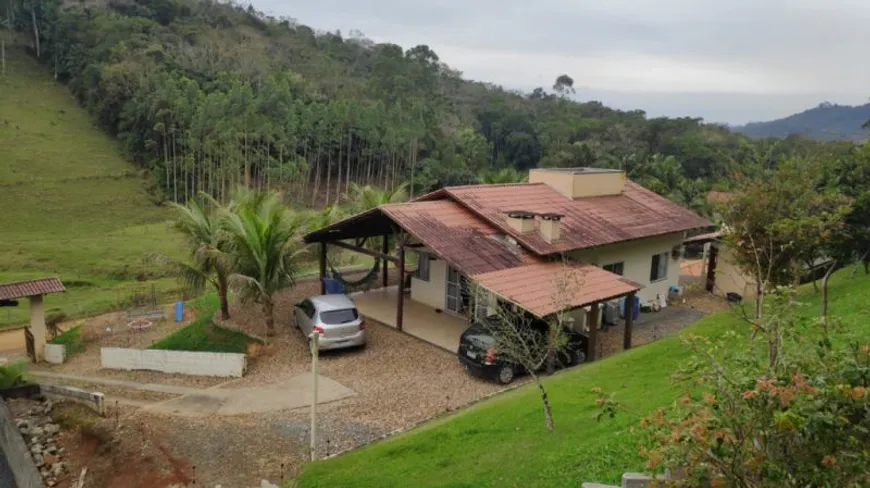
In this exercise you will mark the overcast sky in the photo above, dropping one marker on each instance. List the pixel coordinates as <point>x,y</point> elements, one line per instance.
<point>725,60</point>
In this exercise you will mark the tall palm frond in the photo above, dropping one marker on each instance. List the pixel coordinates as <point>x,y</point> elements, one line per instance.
<point>502,176</point>
<point>263,240</point>
<point>366,197</point>
<point>207,262</point>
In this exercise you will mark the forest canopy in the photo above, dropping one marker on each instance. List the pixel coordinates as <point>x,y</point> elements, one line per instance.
<point>206,95</point>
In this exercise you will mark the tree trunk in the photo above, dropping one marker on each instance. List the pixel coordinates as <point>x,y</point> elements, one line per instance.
<point>270,316</point>
<point>2,57</point>
<point>825,296</point>
<point>545,401</point>
<point>222,295</point>
<point>35,30</point>
<point>551,349</point>
<point>759,299</point>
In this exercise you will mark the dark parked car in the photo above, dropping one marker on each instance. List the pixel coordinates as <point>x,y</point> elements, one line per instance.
<point>477,352</point>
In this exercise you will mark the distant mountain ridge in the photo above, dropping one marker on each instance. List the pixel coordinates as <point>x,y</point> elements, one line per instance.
<point>827,122</point>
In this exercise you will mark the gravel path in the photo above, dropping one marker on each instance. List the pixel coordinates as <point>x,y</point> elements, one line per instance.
<point>650,327</point>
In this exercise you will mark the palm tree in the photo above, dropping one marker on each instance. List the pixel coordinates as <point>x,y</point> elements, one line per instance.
<point>329,215</point>
<point>205,241</point>
<point>264,246</point>
<point>502,176</point>
<point>366,197</point>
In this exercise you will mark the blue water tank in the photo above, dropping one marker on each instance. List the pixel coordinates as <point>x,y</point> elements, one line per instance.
<point>635,310</point>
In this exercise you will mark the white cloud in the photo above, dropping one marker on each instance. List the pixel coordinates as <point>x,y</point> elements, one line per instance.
<point>775,52</point>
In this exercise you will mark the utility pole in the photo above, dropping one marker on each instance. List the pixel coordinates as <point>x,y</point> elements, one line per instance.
<point>315,352</point>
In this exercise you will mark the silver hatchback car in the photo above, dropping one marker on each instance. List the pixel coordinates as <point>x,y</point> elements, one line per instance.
<point>334,317</point>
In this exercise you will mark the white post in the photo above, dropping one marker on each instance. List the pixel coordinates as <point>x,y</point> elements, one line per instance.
<point>315,350</point>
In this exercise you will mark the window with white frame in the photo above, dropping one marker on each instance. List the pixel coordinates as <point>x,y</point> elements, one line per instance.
<point>658,267</point>
<point>422,272</point>
<point>615,268</point>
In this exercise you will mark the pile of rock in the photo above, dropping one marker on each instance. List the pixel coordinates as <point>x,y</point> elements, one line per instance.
<point>39,433</point>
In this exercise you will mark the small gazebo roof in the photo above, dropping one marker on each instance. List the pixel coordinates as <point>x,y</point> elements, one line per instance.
<point>30,288</point>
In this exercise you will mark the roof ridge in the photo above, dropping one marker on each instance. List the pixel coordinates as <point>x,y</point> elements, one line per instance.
<point>492,185</point>
<point>19,282</point>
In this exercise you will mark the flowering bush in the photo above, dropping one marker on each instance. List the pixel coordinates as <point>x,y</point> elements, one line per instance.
<point>790,409</point>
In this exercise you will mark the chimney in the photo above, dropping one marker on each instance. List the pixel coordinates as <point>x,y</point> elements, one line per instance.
<point>551,227</point>
<point>521,221</point>
<point>581,182</point>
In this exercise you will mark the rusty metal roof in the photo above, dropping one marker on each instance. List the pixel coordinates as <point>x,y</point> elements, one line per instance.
<point>544,288</point>
<point>464,240</point>
<point>30,288</point>
<point>588,222</point>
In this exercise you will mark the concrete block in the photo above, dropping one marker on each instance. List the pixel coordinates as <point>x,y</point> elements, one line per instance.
<point>636,480</point>
<point>596,485</point>
<point>55,353</point>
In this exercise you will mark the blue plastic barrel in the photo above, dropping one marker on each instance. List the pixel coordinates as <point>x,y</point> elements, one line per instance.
<point>179,311</point>
<point>635,310</point>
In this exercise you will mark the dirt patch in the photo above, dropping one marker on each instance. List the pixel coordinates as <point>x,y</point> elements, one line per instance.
<point>119,452</point>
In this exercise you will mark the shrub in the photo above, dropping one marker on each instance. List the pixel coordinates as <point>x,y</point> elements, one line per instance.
<point>72,339</point>
<point>13,374</point>
<point>791,409</point>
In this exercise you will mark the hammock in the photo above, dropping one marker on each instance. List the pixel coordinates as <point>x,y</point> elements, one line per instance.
<point>368,278</point>
<point>363,282</point>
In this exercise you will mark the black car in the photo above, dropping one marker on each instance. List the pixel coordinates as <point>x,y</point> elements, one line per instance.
<point>477,352</point>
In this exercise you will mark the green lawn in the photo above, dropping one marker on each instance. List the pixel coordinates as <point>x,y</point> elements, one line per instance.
<point>72,205</point>
<point>503,441</point>
<point>202,335</point>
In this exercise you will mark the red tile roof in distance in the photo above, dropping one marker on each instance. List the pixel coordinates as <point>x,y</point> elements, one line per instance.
<point>588,222</point>
<point>545,288</point>
<point>24,289</point>
<point>458,236</point>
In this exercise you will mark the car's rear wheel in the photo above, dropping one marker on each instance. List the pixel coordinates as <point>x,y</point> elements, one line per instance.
<point>505,375</point>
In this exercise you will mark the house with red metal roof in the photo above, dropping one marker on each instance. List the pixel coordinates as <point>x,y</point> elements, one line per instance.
<point>608,236</point>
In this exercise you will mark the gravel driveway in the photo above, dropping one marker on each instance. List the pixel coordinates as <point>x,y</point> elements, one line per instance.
<point>399,381</point>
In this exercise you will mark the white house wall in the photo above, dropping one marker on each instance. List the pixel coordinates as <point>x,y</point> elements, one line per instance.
<point>637,259</point>
<point>433,292</point>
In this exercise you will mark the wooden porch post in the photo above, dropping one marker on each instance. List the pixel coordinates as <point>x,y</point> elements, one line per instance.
<point>322,267</point>
<point>629,320</point>
<point>400,306</point>
<point>385,248</point>
<point>592,321</point>
<point>711,267</point>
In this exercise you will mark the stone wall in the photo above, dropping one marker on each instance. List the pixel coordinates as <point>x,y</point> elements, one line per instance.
<point>184,362</point>
<point>17,454</point>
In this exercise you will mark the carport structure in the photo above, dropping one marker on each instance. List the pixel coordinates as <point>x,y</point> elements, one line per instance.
<point>33,290</point>
<point>470,251</point>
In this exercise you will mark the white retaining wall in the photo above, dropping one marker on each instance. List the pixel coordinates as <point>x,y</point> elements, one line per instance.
<point>91,399</point>
<point>55,353</point>
<point>184,362</point>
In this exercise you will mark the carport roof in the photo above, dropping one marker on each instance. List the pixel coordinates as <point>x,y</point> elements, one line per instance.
<point>544,288</point>
<point>30,288</point>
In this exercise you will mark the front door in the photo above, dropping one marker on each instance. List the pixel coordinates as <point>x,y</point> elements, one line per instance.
<point>457,291</point>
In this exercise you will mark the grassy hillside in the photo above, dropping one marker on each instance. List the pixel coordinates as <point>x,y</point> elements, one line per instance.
<point>503,442</point>
<point>72,205</point>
